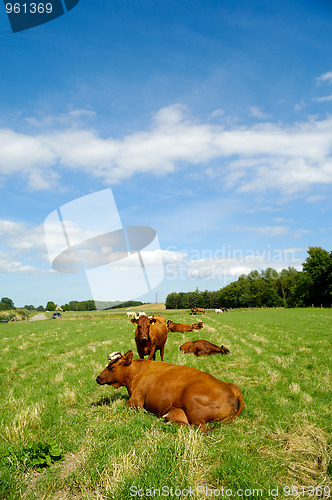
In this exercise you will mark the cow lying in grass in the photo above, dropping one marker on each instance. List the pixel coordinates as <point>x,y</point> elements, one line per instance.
<point>180,394</point>
<point>183,327</point>
<point>178,327</point>
<point>202,348</point>
<point>197,326</point>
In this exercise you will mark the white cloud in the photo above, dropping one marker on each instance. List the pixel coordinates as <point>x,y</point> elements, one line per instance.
<point>266,230</point>
<point>256,112</point>
<point>70,119</point>
<point>274,231</point>
<point>315,198</point>
<point>261,157</point>
<point>20,237</point>
<point>326,77</point>
<point>217,113</point>
<point>21,244</point>
<point>326,98</point>
<point>301,105</point>
<point>22,248</point>
<point>10,266</point>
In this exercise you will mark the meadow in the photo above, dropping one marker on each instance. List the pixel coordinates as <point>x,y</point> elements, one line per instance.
<point>279,447</point>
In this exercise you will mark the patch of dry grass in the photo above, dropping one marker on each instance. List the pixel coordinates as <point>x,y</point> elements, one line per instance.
<point>306,452</point>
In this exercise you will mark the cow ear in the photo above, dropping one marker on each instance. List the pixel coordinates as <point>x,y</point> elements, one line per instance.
<point>134,320</point>
<point>153,321</point>
<point>128,358</point>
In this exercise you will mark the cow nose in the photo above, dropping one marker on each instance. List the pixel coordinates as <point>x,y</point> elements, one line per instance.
<point>144,338</point>
<point>98,380</point>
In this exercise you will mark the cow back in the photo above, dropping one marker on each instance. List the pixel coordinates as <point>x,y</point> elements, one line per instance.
<point>202,348</point>
<point>178,327</point>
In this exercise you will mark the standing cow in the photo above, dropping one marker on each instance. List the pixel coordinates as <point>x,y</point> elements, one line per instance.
<point>150,336</point>
<point>197,310</point>
<point>181,394</point>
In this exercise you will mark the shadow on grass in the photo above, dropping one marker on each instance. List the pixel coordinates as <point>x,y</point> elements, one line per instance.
<point>106,401</point>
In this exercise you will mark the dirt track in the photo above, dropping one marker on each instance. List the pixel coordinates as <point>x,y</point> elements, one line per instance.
<point>39,317</point>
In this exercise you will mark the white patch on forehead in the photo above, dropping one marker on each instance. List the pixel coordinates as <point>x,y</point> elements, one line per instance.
<point>114,355</point>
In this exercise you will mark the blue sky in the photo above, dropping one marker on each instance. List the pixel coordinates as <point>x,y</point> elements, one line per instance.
<point>210,120</point>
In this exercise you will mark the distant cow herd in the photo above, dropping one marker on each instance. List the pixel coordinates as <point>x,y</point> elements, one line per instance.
<point>180,394</point>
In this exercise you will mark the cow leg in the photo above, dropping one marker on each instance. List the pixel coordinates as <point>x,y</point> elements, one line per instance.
<point>152,353</point>
<point>200,425</point>
<point>162,353</point>
<point>140,351</point>
<point>136,400</point>
<point>177,416</point>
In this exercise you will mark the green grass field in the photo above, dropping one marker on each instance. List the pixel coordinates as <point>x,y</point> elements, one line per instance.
<point>280,358</point>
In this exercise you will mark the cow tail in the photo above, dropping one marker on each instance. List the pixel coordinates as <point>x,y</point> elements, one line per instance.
<point>239,405</point>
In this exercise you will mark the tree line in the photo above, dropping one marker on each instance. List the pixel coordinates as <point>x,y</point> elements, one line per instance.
<point>74,305</point>
<point>269,288</point>
<point>90,305</point>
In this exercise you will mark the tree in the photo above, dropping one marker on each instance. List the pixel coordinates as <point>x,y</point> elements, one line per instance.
<point>171,301</point>
<point>183,301</point>
<point>89,305</point>
<point>286,284</point>
<point>301,293</point>
<point>318,271</point>
<point>50,306</point>
<point>193,299</point>
<point>8,303</point>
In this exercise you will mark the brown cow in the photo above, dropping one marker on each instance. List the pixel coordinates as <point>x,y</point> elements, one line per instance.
<point>198,310</point>
<point>178,327</point>
<point>197,326</point>
<point>181,394</point>
<point>150,336</point>
<point>202,348</point>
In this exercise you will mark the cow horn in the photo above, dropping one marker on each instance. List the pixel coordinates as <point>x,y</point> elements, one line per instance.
<point>114,355</point>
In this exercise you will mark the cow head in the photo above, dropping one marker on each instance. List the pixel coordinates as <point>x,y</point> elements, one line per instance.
<point>143,327</point>
<point>117,369</point>
<point>224,350</point>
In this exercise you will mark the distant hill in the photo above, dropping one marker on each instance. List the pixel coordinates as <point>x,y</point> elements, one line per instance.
<point>100,305</point>
<point>158,306</point>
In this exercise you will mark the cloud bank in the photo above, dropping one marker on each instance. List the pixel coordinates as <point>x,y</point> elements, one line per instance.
<point>290,158</point>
